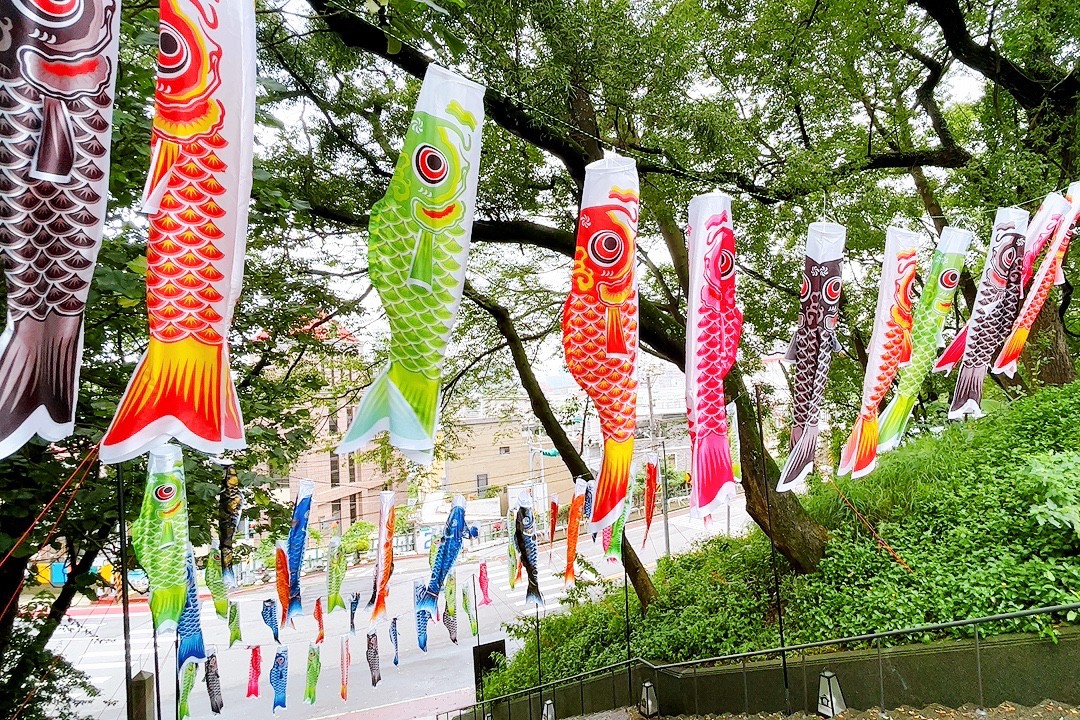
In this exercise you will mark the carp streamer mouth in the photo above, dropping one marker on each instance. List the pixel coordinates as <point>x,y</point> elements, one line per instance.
<point>440,214</point>
<point>613,294</point>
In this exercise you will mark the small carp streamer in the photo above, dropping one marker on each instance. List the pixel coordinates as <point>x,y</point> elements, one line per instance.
<point>450,610</point>
<point>279,677</point>
<point>215,583</point>
<point>384,565</point>
<point>373,658</point>
<point>615,544</point>
<point>160,535</point>
<point>525,541</point>
<point>318,615</point>
<point>213,683</point>
<point>889,348</point>
<point>650,492</point>
<point>513,565</point>
<point>335,575</point>
<point>573,529</point>
<point>234,623</point>
<point>230,510</point>
<point>454,534</point>
<point>812,346</point>
<point>422,616</point>
<point>420,233</point>
<point>354,604</point>
<point>713,329</point>
<point>935,305</point>
<point>484,580</point>
<point>997,302</point>
<point>297,545</point>
<point>1056,221</point>
<point>188,675</point>
<point>468,604</point>
<point>58,67</point>
<point>281,577</point>
<point>600,321</point>
<point>314,668</point>
<point>254,670</point>
<point>196,197</point>
<point>190,646</point>
<point>394,638</point>
<point>346,665</point>
<point>269,616</point>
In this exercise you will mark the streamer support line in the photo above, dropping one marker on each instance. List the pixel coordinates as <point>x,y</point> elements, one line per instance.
<point>775,571</point>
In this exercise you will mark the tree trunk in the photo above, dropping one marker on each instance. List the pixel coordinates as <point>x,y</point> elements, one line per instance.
<point>15,688</point>
<point>1046,354</point>
<point>798,537</point>
<point>635,569</point>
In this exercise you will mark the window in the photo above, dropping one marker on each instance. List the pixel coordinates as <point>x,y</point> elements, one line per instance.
<point>353,508</point>
<point>481,482</point>
<point>504,450</point>
<point>335,510</point>
<point>333,421</point>
<point>335,470</point>
<point>352,468</point>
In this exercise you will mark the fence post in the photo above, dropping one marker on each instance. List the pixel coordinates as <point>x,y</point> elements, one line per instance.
<point>881,682</point>
<point>581,692</point>
<point>745,690</point>
<point>805,694</point>
<point>614,702</point>
<point>980,711</point>
<point>696,707</point>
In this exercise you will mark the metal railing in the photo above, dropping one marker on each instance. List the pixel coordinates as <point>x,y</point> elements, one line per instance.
<point>479,711</point>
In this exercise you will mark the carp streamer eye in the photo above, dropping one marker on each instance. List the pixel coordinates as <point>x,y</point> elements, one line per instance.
<point>949,279</point>
<point>804,290</point>
<point>727,264</point>
<point>832,289</point>
<point>605,248</point>
<point>430,165</point>
<point>174,55</point>
<point>165,493</point>
<point>52,13</point>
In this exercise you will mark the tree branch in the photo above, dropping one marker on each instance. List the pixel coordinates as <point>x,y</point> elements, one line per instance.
<point>639,577</point>
<point>1030,91</point>
<point>356,32</point>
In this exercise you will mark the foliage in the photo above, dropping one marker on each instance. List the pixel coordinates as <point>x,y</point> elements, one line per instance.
<point>982,513</point>
<point>59,689</point>
<point>357,539</point>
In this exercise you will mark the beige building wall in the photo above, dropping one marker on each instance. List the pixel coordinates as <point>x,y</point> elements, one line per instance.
<point>346,490</point>
<point>491,453</point>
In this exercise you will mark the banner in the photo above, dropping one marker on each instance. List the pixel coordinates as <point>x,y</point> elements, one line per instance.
<point>997,302</point>
<point>813,344</point>
<point>418,247</point>
<point>889,348</point>
<point>935,305</point>
<point>1049,273</point>
<point>196,196</point>
<point>600,321</point>
<point>713,329</point>
<point>58,76</point>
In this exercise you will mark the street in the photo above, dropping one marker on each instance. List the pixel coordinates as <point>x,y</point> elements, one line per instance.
<point>423,684</point>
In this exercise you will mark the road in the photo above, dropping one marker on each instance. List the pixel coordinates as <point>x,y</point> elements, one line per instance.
<point>421,685</point>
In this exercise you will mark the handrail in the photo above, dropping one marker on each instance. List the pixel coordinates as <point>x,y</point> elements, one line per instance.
<point>872,636</point>
<point>1048,610</point>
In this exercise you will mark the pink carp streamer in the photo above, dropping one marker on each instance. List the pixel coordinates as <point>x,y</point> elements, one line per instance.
<point>713,328</point>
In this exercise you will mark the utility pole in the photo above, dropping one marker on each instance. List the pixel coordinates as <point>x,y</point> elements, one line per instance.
<point>663,464</point>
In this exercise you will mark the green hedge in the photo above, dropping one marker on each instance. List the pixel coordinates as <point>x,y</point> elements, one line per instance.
<point>986,514</point>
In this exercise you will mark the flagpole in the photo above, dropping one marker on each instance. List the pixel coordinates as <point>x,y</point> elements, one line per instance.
<point>775,571</point>
<point>157,671</point>
<point>124,588</point>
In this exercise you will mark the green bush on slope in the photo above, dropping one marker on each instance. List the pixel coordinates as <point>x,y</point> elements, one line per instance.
<point>987,515</point>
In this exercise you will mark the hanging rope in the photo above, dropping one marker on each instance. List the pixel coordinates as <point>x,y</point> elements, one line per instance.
<point>862,518</point>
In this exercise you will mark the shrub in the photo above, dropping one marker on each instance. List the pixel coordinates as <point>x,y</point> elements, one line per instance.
<point>986,514</point>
